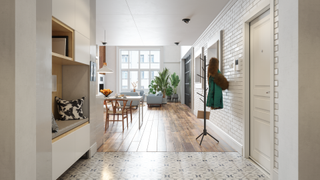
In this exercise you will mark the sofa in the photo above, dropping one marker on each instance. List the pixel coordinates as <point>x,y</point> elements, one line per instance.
<point>154,99</point>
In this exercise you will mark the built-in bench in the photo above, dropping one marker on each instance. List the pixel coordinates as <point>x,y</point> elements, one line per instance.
<point>70,143</point>
<point>65,126</point>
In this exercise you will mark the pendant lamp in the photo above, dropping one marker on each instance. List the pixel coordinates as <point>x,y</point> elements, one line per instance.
<point>105,69</point>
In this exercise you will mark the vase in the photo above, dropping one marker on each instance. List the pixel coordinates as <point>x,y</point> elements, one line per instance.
<point>134,90</point>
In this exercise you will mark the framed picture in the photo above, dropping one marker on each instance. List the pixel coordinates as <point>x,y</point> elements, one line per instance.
<point>93,71</point>
<point>60,45</point>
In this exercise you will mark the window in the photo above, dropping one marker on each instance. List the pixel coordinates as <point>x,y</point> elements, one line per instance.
<point>124,80</point>
<point>138,66</point>
<point>124,58</point>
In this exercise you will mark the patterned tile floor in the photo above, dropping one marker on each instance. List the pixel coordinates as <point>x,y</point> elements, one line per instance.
<point>164,165</point>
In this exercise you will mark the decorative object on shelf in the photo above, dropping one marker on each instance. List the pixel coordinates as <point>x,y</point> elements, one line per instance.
<point>175,80</point>
<point>93,71</point>
<point>204,95</point>
<point>106,92</point>
<point>134,84</point>
<point>105,69</point>
<point>162,81</point>
<point>60,45</point>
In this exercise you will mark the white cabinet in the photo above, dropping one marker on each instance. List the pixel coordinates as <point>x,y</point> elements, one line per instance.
<point>64,10</point>
<point>82,141</point>
<point>82,17</point>
<point>82,48</point>
<point>67,150</point>
<point>63,154</point>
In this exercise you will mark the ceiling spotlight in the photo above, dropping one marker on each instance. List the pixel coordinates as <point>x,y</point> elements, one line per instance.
<point>176,43</point>
<point>104,42</point>
<point>186,20</point>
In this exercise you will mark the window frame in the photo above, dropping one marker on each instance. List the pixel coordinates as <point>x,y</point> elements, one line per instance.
<point>139,69</point>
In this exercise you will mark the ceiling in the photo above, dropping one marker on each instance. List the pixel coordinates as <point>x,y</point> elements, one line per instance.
<point>154,22</point>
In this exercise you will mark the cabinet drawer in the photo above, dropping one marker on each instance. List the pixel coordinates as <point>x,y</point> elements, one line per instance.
<point>63,154</point>
<point>82,140</point>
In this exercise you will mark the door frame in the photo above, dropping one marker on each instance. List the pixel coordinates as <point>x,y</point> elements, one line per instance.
<point>261,7</point>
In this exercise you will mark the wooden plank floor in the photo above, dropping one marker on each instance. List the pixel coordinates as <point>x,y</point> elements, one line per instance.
<point>171,127</point>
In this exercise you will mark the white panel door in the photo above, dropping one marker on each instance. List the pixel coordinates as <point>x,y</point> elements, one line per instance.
<point>260,51</point>
<point>64,10</point>
<point>82,9</point>
<point>82,48</point>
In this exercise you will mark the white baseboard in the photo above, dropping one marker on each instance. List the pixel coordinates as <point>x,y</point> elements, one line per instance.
<point>93,149</point>
<point>226,137</point>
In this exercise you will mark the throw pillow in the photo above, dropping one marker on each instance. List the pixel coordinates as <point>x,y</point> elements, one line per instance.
<point>70,110</point>
<point>55,127</point>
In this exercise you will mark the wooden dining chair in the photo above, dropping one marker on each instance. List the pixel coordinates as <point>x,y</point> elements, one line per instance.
<point>128,108</point>
<point>116,111</point>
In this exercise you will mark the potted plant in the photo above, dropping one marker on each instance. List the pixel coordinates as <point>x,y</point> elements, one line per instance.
<point>162,83</point>
<point>152,87</point>
<point>174,79</point>
<point>169,93</point>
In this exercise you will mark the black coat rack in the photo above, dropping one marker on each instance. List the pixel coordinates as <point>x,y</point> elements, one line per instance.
<point>205,132</point>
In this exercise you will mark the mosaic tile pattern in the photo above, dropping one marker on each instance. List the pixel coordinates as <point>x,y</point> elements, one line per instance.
<point>164,165</point>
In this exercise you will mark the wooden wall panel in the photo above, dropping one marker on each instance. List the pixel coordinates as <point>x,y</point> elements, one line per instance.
<point>57,70</point>
<point>102,56</point>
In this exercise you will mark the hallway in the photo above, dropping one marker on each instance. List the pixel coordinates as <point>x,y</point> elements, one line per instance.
<point>170,128</point>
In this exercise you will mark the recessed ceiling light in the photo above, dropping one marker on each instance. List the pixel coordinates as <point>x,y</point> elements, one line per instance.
<point>186,20</point>
<point>176,43</point>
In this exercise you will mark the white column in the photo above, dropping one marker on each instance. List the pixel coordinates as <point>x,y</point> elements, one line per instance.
<point>18,89</point>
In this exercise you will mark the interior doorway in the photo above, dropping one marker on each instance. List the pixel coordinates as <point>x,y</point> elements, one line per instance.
<point>260,56</point>
<point>187,81</point>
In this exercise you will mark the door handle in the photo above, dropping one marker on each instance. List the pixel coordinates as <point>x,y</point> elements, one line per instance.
<point>268,92</point>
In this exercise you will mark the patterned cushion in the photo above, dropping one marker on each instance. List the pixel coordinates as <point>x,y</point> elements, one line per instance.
<point>70,110</point>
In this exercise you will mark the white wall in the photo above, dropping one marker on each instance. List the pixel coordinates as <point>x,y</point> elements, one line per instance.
<point>171,60</point>
<point>111,78</point>
<point>299,89</point>
<point>44,89</point>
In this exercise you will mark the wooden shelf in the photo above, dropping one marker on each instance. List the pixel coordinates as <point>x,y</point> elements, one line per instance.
<point>61,56</point>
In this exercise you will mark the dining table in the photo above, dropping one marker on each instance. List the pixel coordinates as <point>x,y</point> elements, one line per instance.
<point>132,98</point>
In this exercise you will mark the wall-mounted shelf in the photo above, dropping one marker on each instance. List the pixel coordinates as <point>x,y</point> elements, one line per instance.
<point>61,29</point>
<point>56,55</point>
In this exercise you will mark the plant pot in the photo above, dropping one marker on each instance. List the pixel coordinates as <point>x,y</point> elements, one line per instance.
<point>175,97</point>
<point>164,100</point>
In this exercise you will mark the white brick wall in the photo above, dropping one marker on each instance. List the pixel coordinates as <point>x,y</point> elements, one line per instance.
<point>230,119</point>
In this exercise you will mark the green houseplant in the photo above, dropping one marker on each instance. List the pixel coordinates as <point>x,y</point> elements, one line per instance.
<point>162,82</point>
<point>169,92</point>
<point>152,87</point>
<point>174,79</point>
